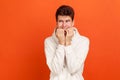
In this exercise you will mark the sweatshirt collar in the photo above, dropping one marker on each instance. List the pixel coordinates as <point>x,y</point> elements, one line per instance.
<point>76,35</point>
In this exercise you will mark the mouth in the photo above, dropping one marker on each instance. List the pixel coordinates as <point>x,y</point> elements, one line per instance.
<point>65,33</point>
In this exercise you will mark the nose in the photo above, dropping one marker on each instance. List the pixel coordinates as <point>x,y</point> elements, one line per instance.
<point>64,25</point>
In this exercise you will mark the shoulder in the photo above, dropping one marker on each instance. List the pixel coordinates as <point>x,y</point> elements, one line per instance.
<point>84,39</point>
<point>48,39</point>
<point>81,37</point>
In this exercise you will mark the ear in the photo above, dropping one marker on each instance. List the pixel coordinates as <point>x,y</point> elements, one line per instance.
<point>73,23</point>
<point>56,23</point>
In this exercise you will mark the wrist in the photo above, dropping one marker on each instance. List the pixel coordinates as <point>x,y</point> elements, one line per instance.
<point>68,43</point>
<point>62,42</point>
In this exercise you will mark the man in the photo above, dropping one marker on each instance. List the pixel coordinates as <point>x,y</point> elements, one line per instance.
<point>66,49</point>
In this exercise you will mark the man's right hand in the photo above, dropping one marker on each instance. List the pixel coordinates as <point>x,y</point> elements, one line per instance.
<point>60,35</point>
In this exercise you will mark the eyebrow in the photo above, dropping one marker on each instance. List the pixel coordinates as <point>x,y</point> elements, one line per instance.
<point>60,20</point>
<point>67,20</point>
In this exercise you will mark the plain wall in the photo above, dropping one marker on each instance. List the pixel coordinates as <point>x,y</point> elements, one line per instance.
<point>24,24</point>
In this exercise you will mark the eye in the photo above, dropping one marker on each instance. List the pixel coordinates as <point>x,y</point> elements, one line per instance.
<point>67,20</point>
<point>60,21</point>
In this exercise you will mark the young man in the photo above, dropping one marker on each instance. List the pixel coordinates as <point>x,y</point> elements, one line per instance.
<point>66,49</point>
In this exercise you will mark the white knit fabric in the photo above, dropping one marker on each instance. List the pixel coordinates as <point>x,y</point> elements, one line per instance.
<point>66,62</point>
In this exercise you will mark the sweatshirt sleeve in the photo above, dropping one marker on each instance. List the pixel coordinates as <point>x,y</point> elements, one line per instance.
<point>76,56</point>
<point>54,56</point>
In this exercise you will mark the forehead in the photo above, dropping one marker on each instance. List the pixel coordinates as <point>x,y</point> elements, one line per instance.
<point>64,17</point>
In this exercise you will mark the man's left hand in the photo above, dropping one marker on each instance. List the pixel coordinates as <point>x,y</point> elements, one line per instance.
<point>69,35</point>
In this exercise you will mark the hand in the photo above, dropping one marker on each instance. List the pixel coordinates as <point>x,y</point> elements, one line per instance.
<point>60,35</point>
<point>69,35</point>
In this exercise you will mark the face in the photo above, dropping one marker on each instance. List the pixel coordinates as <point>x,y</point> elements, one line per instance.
<point>64,22</point>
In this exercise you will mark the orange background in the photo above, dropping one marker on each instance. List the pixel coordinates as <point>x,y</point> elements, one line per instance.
<point>24,24</point>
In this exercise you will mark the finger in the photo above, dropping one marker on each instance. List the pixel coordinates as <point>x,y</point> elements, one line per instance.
<point>67,32</point>
<point>71,29</point>
<point>61,31</point>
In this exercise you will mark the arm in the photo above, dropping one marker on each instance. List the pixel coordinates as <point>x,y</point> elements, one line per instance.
<point>54,56</point>
<point>75,57</point>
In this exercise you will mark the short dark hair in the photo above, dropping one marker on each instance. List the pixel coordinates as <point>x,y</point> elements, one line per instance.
<point>65,10</point>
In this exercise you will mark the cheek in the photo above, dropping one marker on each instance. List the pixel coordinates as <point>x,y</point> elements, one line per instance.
<point>59,24</point>
<point>69,24</point>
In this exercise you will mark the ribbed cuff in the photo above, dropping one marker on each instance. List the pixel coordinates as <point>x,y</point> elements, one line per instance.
<point>60,46</point>
<point>68,49</point>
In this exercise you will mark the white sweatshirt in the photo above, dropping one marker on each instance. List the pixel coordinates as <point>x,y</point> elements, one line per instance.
<point>66,62</point>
